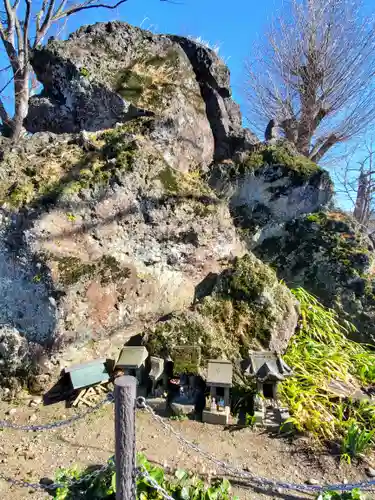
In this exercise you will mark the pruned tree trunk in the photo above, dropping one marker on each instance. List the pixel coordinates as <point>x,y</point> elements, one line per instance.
<point>361,204</point>
<point>314,70</point>
<point>22,92</point>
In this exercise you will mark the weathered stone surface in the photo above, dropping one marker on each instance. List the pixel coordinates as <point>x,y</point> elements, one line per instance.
<point>14,350</point>
<point>96,242</point>
<point>108,223</point>
<point>223,113</point>
<point>327,254</point>
<point>113,72</point>
<point>271,185</point>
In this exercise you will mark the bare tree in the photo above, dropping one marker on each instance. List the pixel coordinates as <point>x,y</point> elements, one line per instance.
<point>23,26</point>
<point>313,73</point>
<point>356,182</point>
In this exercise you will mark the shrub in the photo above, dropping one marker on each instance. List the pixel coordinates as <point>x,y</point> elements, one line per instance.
<point>181,486</point>
<point>318,353</point>
<point>355,442</point>
<point>350,495</point>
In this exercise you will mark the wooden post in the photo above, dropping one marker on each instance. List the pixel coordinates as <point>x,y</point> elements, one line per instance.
<point>125,394</point>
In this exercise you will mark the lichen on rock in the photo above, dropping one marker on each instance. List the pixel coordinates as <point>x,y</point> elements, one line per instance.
<point>270,184</point>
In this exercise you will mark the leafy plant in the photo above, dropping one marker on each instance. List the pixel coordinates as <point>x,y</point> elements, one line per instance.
<point>250,420</point>
<point>355,442</point>
<point>180,418</point>
<point>71,217</point>
<point>319,353</point>
<point>182,486</point>
<point>349,495</point>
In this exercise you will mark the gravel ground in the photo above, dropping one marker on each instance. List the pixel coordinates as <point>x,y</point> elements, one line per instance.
<point>32,455</point>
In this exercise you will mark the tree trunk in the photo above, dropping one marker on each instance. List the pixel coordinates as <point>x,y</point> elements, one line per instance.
<point>360,209</point>
<point>21,87</point>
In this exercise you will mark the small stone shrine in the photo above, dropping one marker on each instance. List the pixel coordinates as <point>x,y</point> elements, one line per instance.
<point>219,380</point>
<point>131,361</point>
<point>182,390</point>
<point>268,369</point>
<point>89,380</point>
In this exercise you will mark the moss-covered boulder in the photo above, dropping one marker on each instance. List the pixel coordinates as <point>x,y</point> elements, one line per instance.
<point>111,73</point>
<point>329,255</point>
<point>244,307</point>
<point>271,184</point>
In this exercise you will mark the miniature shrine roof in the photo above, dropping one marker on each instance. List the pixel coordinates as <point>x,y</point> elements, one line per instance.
<point>132,357</point>
<point>266,365</point>
<point>220,372</point>
<point>89,373</point>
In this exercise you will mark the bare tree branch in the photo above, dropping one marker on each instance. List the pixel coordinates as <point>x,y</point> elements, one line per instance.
<point>357,183</point>
<point>313,72</point>
<point>86,6</point>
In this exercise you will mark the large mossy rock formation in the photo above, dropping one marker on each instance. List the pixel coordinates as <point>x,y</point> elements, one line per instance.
<point>244,307</point>
<point>130,201</point>
<point>99,236</point>
<point>280,202</point>
<point>328,254</point>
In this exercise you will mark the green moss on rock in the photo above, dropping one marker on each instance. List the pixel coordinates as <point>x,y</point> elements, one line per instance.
<point>246,308</point>
<point>168,178</point>
<point>67,169</point>
<point>328,255</point>
<point>149,80</point>
<point>106,270</point>
<point>71,270</point>
<point>281,155</point>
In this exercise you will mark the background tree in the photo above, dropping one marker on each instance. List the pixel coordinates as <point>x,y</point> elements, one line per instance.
<point>313,72</point>
<point>356,185</point>
<point>24,25</point>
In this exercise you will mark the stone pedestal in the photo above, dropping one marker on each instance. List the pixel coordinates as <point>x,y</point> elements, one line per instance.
<point>157,404</point>
<point>182,408</point>
<point>216,417</point>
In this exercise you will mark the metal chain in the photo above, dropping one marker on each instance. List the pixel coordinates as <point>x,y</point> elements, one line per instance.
<point>143,473</point>
<point>365,485</point>
<point>60,423</point>
<point>54,486</point>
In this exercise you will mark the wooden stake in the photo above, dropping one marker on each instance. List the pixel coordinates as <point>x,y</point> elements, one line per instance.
<point>125,394</point>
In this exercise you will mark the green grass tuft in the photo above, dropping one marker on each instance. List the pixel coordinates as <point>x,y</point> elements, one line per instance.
<point>319,353</point>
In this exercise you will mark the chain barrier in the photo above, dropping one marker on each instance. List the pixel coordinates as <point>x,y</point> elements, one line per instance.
<point>233,470</point>
<point>151,481</point>
<point>60,423</point>
<point>248,475</point>
<point>54,486</point>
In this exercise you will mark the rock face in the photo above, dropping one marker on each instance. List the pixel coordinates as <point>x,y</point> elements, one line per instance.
<point>327,254</point>
<point>112,72</point>
<point>270,186</point>
<point>101,235</point>
<point>133,207</point>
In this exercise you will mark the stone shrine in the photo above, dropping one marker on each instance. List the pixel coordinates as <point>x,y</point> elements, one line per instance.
<point>219,380</point>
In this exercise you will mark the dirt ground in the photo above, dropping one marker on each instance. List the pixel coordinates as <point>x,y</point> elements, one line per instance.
<point>31,456</point>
